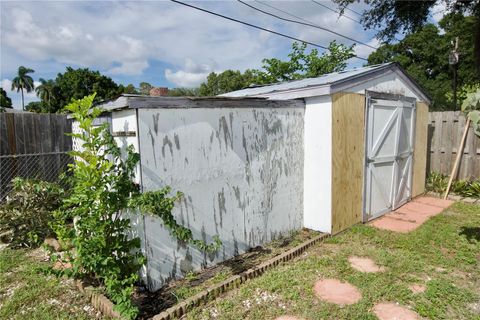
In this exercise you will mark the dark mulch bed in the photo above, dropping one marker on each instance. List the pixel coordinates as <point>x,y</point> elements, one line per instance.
<point>153,303</point>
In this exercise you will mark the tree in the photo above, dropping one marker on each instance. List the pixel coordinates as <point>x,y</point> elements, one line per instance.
<point>5,101</point>
<point>23,82</point>
<point>302,65</point>
<point>299,66</point>
<point>396,16</point>
<point>77,83</point>
<point>424,55</point>
<point>38,107</point>
<point>184,92</point>
<point>129,89</point>
<point>46,90</point>
<point>145,88</point>
<point>226,81</point>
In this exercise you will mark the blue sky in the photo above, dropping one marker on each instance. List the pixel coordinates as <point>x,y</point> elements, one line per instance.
<point>159,42</point>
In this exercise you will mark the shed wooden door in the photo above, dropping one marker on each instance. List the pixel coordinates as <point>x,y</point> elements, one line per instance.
<point>389,153</point>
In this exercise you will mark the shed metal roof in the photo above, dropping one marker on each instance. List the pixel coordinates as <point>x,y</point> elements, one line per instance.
<point>331,82</point>
<point>132,101</point>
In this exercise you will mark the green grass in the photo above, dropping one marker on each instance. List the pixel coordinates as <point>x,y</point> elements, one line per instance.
<point>28,293</point>
<point>443,255</point>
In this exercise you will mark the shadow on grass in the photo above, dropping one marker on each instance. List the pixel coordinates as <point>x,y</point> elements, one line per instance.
<point>471,233</point>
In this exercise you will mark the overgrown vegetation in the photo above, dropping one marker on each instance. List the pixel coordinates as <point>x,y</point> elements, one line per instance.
<point>27,212</point>
<point>93,218</point>
<point>424,55</point>
<point>442,255</point>
<point>471,107</point>
<point>438,182</point>
<point>299,65</point>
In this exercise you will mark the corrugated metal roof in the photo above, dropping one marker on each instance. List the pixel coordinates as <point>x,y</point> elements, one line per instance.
<point>326,79</point>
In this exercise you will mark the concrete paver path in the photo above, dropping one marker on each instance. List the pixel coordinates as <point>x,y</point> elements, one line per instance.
<point>411,215</point>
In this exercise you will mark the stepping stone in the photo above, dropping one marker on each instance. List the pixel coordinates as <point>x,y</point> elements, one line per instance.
<point>435,202</point>
<point>393,311</point>
<point>364,265</point>
<point>336,291</point>
<point>417,288</point>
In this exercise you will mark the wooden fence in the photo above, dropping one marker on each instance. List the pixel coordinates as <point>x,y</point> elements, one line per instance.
<point>444,134</point>
<point>32,146</point>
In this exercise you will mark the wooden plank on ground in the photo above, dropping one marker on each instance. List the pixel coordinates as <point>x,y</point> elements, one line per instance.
<point>348,159</point>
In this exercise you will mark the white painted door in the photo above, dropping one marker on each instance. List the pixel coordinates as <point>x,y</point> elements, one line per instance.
<point>389,153</point>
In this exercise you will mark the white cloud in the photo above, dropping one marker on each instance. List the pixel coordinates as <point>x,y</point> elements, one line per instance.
<point>121,38</point>
<point>191,76</point>
<point>130,68</point>
<point>438,11</point>
<point>71,44</point>
<point>364,51</point>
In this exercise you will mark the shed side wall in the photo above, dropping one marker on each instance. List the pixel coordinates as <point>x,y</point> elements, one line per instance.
<point>241,172</point>
<point>420,150</point>
<point>348,157</point>
<point>317,192</point>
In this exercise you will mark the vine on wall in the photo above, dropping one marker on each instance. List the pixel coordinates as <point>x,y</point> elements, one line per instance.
<point>90,220</point>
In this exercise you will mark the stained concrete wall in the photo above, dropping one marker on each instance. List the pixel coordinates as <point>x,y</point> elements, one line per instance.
<point>241,172</point>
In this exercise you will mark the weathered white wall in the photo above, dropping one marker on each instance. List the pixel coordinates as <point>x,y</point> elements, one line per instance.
<point>241,172</point>
<point>124,130</point>
<point>317,183</point>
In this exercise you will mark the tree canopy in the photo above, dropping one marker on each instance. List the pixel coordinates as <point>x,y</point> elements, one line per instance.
<point>5,101</point>
<point>145,88</point>
<point>424,55</point>
<point>391,17</point>
<point>226,81</point>
<point>23,81</point>
<point>299,65</point>
<point>56,93</point>
<point>78,83</point>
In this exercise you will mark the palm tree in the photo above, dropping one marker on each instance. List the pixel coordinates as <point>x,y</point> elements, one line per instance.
<point>45,90</point>
<point>23,81</point>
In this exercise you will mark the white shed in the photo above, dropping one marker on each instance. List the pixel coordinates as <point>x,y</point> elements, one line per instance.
<point>365,142</point>
<point>255,164</point>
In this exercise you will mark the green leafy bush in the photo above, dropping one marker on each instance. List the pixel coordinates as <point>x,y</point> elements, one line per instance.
<point>437,182</point>
<point>92,221</point>
<point>25,216</point>
<point>471,106</point>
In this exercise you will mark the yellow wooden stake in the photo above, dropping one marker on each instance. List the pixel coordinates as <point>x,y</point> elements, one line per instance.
<point>457,159</point>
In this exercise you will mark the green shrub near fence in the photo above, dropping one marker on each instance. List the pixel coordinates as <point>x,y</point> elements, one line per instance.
<point>438,182</point>
<point>27,212</point>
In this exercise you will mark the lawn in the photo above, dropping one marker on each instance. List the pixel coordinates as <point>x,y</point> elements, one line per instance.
<point>26,292</point>
<point>443,255</point>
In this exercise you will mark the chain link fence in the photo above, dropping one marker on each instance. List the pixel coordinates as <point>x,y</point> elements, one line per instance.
<point>41,166</point>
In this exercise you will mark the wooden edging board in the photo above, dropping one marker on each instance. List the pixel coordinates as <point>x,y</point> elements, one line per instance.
<point>233,282</point>
<point>103,304</point>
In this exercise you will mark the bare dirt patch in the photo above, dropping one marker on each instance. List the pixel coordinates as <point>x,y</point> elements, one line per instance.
<point>417,288</point>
